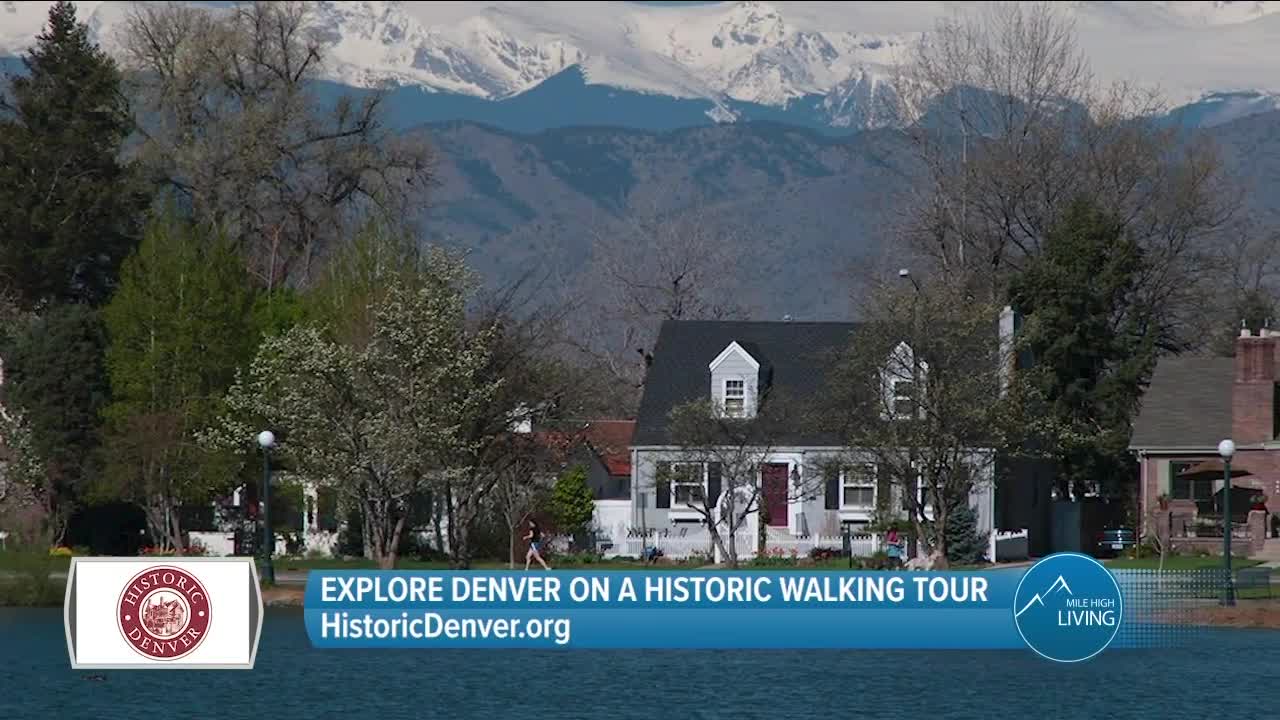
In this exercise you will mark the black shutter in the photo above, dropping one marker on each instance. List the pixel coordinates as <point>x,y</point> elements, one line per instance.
<point>831,496</point>
<point>884,488</point>
<point>663,484</point>
<point>713,484</point>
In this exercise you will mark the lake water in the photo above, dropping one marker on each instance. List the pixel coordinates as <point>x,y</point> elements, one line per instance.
<point>1227,671</point>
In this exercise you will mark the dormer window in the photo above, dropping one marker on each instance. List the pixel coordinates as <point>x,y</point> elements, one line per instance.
<point>735,398</point>
<point>735,382</point>
<point>903,398</point>
<point>902,380</point>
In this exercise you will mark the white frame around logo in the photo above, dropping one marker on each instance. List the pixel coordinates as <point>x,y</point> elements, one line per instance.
<point>68,620</point>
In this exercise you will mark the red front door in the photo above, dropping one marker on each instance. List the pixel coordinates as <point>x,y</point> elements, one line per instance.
<point>774,488</point>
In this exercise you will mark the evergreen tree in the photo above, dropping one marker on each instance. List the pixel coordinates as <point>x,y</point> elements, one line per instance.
<point>56,374</point>
<point>965,545</point>
<point>69,209</point>
<point>179,327</point>
<point>572,503</point>
<point>1092,345</point>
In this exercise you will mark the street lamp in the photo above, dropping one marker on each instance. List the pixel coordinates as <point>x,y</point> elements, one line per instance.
<point>267,440</point>
<point>914,485</point>
<point>905,274</point>
<point>1226,449</point>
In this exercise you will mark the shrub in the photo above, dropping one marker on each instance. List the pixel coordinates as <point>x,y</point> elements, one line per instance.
<point>965,545</point>
<point>775,557</point>
<point>60,551</point>
<point>412,545</point>
<point>579,558</point>
<point>293,543</point>
<point>823,554</point>
<point>192,550</point>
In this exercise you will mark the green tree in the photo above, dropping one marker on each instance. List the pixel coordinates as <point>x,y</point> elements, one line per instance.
<point>71,209</point>
<point>1093,342</point>
<point>572,503</point>
<point>55,371</point>
<point>179,327</point>
<point>965,545</point>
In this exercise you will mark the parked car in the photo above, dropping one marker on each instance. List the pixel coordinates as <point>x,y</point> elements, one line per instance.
<point>1115,541</point>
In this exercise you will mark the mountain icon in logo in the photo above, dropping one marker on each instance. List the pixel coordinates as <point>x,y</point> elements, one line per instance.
<point>1059,585</point>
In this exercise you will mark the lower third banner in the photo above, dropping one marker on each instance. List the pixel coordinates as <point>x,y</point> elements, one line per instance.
<point>1066,608</point>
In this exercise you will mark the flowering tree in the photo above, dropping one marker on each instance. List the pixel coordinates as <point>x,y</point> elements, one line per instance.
<point>375,420</point>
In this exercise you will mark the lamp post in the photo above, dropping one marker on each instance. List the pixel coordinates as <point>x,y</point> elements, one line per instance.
<point>905,274</point>
<point>1226,449</point>
<point>266,440</point>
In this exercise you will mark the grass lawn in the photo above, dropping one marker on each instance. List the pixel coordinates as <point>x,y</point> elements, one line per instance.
<point>20,561</point>
<point>296,565</point>
<point>306,564</point>
<point>1179,562</point>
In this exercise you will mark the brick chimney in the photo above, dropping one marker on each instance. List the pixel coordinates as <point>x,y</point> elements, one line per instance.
<point>1253,395</point>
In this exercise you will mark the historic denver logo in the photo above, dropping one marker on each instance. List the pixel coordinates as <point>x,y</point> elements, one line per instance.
<point>163,613</point>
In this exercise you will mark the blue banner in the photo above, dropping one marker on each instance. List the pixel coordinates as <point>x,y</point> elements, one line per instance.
<point>1066,608</point>
<point>663,609</point>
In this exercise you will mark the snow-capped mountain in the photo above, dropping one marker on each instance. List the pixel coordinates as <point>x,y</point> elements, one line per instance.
<point>832,57</point>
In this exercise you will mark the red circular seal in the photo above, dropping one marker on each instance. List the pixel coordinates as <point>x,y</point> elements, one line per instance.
<point>163,613</point>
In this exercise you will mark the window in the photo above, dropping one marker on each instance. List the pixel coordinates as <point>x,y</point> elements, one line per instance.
<point>735,398</point>
<point>687,484</point>
<point>1184,488</point>
<point>858,486</point>
<point>903,398</point>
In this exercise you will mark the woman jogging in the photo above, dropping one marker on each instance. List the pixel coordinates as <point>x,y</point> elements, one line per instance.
<point>534,537</point>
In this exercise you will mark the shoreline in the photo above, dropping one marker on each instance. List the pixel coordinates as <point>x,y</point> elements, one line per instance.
<point>1245,615</point>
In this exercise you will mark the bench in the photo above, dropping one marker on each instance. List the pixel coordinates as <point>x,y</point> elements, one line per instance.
<point>1254,578</point>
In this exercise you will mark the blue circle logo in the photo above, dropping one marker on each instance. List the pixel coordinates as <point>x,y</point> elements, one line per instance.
<point>1068,607</point>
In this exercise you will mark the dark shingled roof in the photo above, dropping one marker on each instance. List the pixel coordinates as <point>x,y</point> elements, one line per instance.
<point>796,354</point>
<point>1188,404</point>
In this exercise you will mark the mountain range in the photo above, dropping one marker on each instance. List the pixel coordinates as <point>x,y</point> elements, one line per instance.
<point>557,123</point>
<point>529,66</point>
<point>807,208</point>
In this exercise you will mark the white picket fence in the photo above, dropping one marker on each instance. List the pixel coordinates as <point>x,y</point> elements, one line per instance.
<point>222,544</point>
<point>698,543</point>
<point>683,545</point>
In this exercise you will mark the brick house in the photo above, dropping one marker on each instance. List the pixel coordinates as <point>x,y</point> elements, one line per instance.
<point>1191,405</point>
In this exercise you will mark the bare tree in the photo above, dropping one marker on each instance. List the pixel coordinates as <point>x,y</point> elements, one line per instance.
<point>731,452</point>
<point>1010,125</point>
<point>919,394</point>
<point>1248,273</point>
<point>230,123</point>
<point>525,478</point>
<point>533,386</point>
<point>646,268</point>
